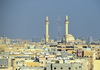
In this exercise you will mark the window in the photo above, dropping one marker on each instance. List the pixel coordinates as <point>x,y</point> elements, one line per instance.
<point>46,58</point>
<point>84,46</point>
<point>41,62</point>
<point>69,68</point>
<point>54,68</point>
<point>61,68</point>
<point>79,66</point>
<point>59,46</point>
<point>58,49</point>
<point>57,61</point>
<point>91,56</point>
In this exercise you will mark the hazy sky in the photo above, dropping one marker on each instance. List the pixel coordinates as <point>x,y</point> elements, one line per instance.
<point>26,18</point>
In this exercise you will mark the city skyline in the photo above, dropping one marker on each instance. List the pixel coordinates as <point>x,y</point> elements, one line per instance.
<point>26,19</point>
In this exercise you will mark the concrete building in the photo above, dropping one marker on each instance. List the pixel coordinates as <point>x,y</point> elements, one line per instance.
<point>66,66</point>
<point>5,64</point>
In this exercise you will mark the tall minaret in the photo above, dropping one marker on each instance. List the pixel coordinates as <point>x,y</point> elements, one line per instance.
<point>66,29</point>
<point>46,31</point>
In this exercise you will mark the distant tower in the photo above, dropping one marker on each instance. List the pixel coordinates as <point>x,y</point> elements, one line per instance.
<point>46,31</point>
<point>66,29</point>
<point>59,30</point>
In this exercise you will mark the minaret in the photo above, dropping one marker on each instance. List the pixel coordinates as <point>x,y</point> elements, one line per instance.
<point>46,31</point>
<point>66,29</point>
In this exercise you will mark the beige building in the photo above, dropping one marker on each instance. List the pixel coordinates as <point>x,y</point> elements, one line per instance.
<point>31,68</point>
<point>96,64</point>
<point>66,66</point>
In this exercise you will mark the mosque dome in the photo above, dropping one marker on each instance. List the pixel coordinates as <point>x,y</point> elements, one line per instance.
<point>70,38</point>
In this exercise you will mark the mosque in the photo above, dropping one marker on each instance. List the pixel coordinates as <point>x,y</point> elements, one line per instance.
<point>69,38</point>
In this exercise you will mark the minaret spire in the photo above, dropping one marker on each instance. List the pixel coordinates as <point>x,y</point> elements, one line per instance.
<point>66,29</point>
<point>46,30</point>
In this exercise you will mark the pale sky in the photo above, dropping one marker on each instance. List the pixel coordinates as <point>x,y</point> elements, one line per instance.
<point>26,18</point>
